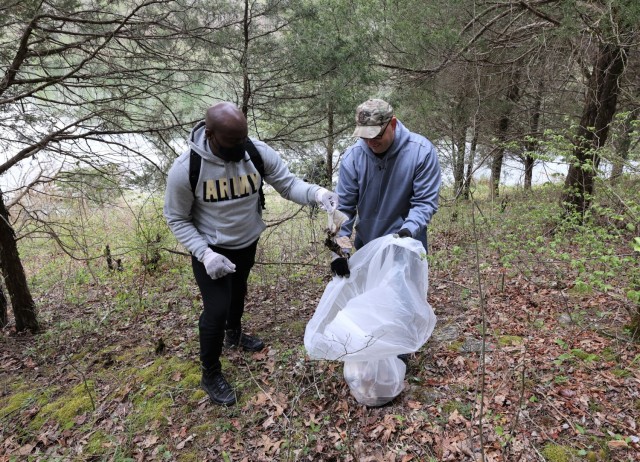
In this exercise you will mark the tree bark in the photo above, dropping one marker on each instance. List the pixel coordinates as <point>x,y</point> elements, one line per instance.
<point>3,309</point>
<point>599,109</point>
<point>466,190</point>
<point>330,146</point>
<point>532,145</point>
<point>246,81</point>
<point>528,172</point>
<point>498,158</point>
<point>24,309</point>
<point>459,148</point>
<point>513,94</point>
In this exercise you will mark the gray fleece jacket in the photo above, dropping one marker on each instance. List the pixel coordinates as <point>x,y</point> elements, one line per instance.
<point>226,210</point>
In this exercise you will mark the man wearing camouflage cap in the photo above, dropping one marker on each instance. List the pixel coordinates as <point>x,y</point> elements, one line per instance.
<point>388,181</point>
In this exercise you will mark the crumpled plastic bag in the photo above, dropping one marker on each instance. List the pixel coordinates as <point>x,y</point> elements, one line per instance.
<point>380,311</point>
<point>375,383</point>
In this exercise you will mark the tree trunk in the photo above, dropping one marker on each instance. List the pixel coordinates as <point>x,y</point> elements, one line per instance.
<point>458,168</point>
<point>330,146</point>
<point>3,309</point>
<point>599,108</point>
<point>459,122</point>
<point>528,171</point>
<point>623,146</point>
<point>246,81</point>
<point>496,164</point>
<point>24,309</point>
<point>466,190</point>
<point>498,157</point>
<point>532,144</point>
<point>513,93</point>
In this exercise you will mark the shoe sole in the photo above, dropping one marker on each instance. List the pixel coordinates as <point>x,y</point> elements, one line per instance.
<point>238,347</point>
<point>222,403</point>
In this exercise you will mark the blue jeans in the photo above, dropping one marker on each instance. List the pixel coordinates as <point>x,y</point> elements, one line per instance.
<point>223,302</point>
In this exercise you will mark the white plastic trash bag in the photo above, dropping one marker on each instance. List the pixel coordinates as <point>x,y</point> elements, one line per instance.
<point>381,310</point>
<point>375,383</point>
<point>377,313</point>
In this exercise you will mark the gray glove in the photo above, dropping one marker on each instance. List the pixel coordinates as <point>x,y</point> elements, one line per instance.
<point>217,265</point>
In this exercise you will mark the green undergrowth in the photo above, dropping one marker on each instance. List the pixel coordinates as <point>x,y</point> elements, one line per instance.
<point>525,234</point>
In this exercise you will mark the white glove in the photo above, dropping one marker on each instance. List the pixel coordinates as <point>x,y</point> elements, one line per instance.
<point>217,265</point>
<point>326,199</point>
<point>335,220</point>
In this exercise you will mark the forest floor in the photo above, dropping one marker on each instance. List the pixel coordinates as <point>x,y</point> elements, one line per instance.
<point>521,366</point>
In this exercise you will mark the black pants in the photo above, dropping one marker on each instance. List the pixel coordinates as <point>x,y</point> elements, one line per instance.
<point>223,302</point>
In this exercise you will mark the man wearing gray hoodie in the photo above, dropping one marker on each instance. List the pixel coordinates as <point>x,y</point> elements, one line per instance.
<point>388,183</point>
<point>220,222</point>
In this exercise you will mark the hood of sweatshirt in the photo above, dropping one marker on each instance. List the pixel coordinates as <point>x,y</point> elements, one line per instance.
<point>199,143</point>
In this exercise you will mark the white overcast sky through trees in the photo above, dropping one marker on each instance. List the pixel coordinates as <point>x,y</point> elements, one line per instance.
<point>113,151</point>
<point>128,151</point>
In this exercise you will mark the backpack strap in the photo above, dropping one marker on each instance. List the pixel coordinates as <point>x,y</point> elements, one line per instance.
<point>256,159</point>
<point>195,163</point>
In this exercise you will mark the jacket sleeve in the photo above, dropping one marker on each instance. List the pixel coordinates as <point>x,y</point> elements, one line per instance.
<point>426,187</point>
<point>178,201</point>
<point>288,185</point>
<point>348,193</point>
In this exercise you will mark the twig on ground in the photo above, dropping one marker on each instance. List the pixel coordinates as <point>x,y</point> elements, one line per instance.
<point>86,386</point>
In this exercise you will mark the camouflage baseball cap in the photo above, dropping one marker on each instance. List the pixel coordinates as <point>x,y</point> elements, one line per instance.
<point>371,117</point>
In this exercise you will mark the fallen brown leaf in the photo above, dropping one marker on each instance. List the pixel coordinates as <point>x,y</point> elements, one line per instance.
<point>617,444</point>
<point>182,443</point>
<point>149,441</point>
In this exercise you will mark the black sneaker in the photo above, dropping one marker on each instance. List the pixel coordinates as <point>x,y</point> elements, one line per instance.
<point>218,388</point>
<point>234,338</point>
<point>404,358</point>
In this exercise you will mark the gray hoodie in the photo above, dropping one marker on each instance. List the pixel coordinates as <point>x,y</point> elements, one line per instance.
<point>226,210</point>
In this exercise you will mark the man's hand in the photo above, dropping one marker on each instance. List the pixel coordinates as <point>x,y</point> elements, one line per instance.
<point>340,267</point>
<point>404,232</point>
<point>326,199</point>
<point>217,265</point>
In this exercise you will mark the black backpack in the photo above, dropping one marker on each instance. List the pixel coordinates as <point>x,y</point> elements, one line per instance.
<point>195,163</point>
